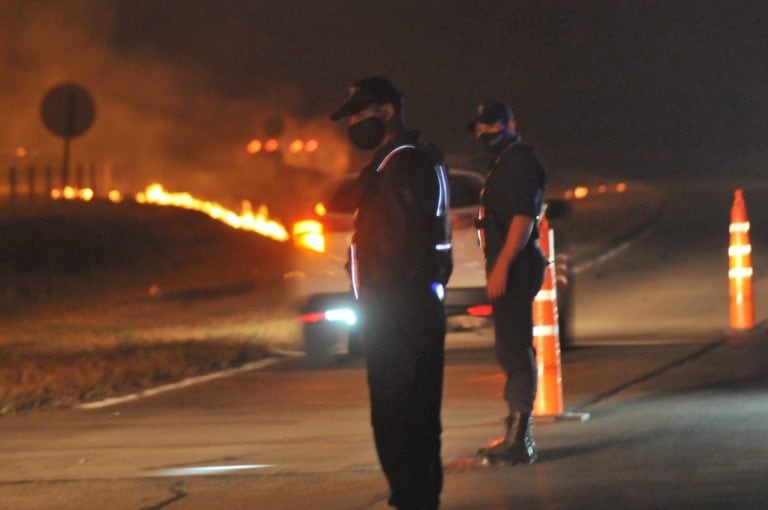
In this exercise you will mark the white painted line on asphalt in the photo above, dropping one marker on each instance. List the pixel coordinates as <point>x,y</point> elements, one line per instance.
<point>207,470</point>
<point>602,258</point>
<point>185,383</point>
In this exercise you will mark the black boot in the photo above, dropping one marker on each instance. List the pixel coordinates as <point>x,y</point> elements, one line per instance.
<point>516,447</point>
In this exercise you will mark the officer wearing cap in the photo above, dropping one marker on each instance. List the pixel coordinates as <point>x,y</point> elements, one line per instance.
<point>510,206</point>
<point>400,260</point>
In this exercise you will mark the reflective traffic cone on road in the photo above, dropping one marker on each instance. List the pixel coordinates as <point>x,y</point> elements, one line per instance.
<point>546,338</point>
<point>740,267</point>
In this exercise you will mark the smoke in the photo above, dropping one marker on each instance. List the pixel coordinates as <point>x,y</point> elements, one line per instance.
<point>157,119</point>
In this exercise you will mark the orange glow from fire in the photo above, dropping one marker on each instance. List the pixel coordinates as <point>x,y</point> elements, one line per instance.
<point>72,193</point>
<point>311,145</point>
<point>115,196</point>
<point>320,209</point>
<point>271,145</point>
<point>245,220</point>
<point>254,146</point>
<point>308,234</point>
<point>296,146</point>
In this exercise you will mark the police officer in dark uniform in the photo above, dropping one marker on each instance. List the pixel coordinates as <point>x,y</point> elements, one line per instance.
<point>511,202</point>
<point>400,261</point>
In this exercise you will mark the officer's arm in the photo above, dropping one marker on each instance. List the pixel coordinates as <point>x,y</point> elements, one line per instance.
<point>519,232</point>
<point>517,236</point>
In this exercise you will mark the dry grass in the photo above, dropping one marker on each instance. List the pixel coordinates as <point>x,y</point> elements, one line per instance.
<point>98,300</point>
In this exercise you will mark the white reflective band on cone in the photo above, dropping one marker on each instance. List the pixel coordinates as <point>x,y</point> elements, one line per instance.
<point>443,247</point>
<point>740,272</point>
<point>546,295</point>
<point>737,228</point>
<point>734,251</point>
<point>546,330</point>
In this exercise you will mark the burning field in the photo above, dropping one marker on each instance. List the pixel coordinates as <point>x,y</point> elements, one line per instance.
<point>99,299</point>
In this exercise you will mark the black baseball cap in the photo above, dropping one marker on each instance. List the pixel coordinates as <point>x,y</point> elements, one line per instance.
<point>368,91</point>
<point>490,112</point>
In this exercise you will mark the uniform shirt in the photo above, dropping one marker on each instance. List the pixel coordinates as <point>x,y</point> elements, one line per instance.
<point>514,185</point>
<point>396,216</point>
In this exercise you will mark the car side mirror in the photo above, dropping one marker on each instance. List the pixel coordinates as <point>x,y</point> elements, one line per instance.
<point>558,209</point>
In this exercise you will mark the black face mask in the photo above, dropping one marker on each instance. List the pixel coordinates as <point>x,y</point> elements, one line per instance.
<point>493,142</point>
<point>367,134</point>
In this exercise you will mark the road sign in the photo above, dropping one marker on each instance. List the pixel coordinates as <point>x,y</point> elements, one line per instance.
<point>68,110</point>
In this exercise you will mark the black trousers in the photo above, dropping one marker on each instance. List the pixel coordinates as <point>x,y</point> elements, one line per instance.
<point>403,333</point>
<point>513,327</point>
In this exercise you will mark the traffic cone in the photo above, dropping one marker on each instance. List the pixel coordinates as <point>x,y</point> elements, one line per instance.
<point>546,338</point>
<point>740,267</point>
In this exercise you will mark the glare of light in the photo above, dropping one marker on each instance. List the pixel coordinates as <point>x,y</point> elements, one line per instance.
<point>568,194</point>
<point>345,315</point>
<point>480,311</point>
<point>310,318</point>
<point>296,146</point>
<point>439,290</point>
<point>69,193</point>
<point>621,187</point>
<point>311,145</point>
<point>55,193</point>
<point>308,234</point>
<point>271,145</point>
<point>580,192</point>
<point>320,209</point>
<point>602,188</point>
<point>115,196</point>
<point>208,470</point>
<point>85,194</point>
<point>254,146</point>
<point>20,152</point>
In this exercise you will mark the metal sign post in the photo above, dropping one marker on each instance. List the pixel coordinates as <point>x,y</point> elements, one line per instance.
<point>67,111</point>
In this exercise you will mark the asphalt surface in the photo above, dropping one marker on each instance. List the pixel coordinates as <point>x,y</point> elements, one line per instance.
<point>678,410</point>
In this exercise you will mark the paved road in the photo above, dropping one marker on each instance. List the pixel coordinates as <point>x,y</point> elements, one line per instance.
<point>679,416</point>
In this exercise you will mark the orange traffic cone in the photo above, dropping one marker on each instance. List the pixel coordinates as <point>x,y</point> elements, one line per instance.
<point>546,338</point>
<point>740,267</point>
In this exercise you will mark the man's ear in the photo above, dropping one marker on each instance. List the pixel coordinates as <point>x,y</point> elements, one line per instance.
<point>389,110</point>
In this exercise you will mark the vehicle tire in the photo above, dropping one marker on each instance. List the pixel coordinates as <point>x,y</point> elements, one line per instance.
<point>355,344</point>
<point>323,343</point>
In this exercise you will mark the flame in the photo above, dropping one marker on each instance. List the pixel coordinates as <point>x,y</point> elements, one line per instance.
<point>115,196</point>
<point>308,234</point>
<point>246,220</point>
<point>72,193</point>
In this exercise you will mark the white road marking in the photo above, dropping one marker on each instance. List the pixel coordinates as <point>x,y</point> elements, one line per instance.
<point>207,470</point>
<point>185,383</point>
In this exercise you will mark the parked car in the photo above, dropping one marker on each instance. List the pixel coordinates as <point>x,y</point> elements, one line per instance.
<point>320,281</point>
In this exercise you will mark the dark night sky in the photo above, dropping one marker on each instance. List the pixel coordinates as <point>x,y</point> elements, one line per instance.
<point>584,77</point>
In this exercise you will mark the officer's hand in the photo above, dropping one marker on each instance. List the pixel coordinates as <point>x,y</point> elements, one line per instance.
<point>497,282</point>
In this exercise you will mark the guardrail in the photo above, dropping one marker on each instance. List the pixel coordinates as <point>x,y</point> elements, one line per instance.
<point>28,183</point>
